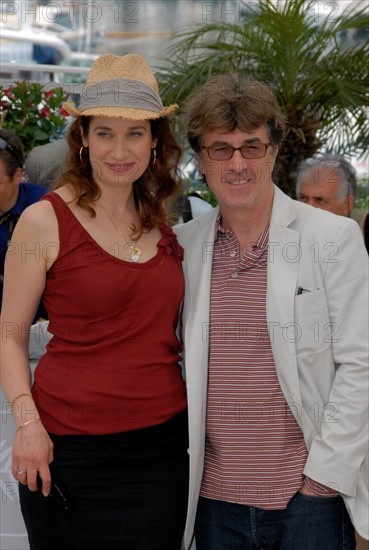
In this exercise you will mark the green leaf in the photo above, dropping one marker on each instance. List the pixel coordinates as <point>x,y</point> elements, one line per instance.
<point>320,78</point>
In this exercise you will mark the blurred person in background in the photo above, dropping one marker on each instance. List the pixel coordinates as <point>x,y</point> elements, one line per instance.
<point>15,196</point>
<point>329,182</point>
<point>47,163</point>
<point>189,206</point>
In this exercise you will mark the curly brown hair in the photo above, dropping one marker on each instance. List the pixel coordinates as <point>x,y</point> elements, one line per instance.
<point>157,185</point>
<point>232,101</point>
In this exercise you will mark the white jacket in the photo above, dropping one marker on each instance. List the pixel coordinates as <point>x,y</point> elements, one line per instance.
<point>319,341</point>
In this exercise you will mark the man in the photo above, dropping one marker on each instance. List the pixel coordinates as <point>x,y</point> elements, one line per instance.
<point>46,163</point>
<point>329,182</point>
<point>275,338</point>
<point>15,196</point>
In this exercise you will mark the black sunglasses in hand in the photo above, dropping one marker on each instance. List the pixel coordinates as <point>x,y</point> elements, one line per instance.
<point>59,492</point>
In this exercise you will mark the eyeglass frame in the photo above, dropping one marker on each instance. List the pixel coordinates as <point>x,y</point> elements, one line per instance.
<point>5,146</point>
<point>266,145</point>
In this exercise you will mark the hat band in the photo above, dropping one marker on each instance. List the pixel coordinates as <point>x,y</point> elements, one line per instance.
<point>120,93</point>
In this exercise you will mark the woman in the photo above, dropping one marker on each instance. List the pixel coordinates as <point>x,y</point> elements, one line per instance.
<point>103,431</point>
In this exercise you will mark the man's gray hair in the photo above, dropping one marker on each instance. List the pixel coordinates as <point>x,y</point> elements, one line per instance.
<point>345,171</point>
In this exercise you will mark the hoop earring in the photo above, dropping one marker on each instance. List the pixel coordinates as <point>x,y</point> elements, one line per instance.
<point>80,154</point>
<point>154,152</point>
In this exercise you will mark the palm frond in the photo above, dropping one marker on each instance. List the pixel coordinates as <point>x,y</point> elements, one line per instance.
<point>320,80</point>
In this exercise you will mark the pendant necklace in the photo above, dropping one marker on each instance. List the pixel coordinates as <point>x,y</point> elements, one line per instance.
<point>135,249</point>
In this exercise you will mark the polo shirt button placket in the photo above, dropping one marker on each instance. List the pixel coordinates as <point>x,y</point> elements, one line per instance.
<point>234,274</point>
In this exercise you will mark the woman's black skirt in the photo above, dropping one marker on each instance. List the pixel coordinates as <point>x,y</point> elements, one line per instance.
<point>125,491</point>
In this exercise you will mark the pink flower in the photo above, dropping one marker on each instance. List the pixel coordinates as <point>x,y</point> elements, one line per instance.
<point>8,92</point>
<point>48,94</point>
<point>44,113</point>
<point>63,112</point>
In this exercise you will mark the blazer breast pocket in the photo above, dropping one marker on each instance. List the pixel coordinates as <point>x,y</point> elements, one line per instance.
<point>314,330</point>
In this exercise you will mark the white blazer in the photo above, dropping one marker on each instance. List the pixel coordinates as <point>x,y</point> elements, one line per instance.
<point>319,340</point>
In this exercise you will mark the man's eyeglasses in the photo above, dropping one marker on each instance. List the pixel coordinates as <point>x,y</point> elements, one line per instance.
<point>226,152</point>
<point>5,146</point>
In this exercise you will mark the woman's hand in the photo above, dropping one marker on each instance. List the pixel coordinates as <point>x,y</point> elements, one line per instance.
<point>32,454</point>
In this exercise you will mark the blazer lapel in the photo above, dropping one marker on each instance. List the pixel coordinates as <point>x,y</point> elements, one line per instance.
<point>197,267</point>
<point>284,254</point>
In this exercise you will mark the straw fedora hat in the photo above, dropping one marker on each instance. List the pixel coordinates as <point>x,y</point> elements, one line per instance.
<point>120,87</point>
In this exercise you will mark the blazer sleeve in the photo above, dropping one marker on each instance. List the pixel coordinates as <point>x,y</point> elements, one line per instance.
<point>338,452</point>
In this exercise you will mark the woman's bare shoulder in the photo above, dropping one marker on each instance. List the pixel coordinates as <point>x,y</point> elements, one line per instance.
<point>42,212</point>
<point>66,192</point>
<point>37,221</point>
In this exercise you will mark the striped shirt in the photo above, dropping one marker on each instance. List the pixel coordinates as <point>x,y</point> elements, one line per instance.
<point>254,450</point>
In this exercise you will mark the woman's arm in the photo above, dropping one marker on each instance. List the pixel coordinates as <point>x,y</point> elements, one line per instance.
<point>26,266</point>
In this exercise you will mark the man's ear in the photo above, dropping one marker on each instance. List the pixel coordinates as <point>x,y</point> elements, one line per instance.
<point>350,203</point>
<point>18,176</point>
